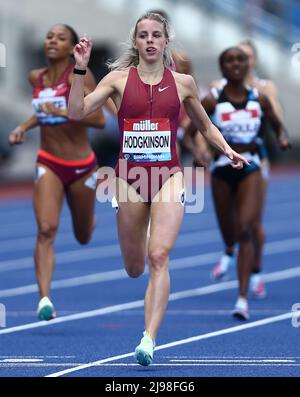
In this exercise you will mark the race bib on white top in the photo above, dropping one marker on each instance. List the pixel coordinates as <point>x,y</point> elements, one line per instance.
<point>58,101</point>
<point>146,140</point>
<point>55,96</point>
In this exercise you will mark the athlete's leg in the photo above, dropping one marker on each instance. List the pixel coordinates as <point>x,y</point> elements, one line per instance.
<point>81,197</point>
<point>223,197</point>
<point>259,233</point>
<point>166,217</point>
<point>132,220</point>
<point>247,212</point>
<point>257,285</point>
<point>47,200</point>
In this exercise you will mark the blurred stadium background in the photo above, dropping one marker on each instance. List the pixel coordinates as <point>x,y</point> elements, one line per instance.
<point>203,29</point>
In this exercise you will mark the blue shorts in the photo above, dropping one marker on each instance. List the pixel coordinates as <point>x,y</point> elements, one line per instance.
<point>233,176</point>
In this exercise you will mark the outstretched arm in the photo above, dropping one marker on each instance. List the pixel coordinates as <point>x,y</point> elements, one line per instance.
<point>202,122</point>
<point>78,105</point>
<point>197,145</point>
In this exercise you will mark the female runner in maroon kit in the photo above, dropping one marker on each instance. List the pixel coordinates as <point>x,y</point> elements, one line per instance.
<point>65,163</point>
<point>147,95</point>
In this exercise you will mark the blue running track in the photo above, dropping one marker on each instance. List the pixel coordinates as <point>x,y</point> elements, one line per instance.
<point>100,309</point>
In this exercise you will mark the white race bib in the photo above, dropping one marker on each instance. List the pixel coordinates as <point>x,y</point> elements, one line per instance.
<point>146,140</point>
<point>58,101</point>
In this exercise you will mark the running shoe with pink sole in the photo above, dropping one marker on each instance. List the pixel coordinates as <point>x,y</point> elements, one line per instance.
<point>221,270</point>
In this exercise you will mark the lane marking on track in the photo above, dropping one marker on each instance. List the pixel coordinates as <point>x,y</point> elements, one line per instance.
<point>17,228</point>
<point>271,248</point>
<point>209,289</point>
<point>232,361</point>
<point>180,342</point>
<point>21,360</point>
<point>202,237</point>
<point>154,365</point>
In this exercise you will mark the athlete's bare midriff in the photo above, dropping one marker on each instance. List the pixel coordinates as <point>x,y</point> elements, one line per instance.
<point>242,148</point>
<point>67,141</point>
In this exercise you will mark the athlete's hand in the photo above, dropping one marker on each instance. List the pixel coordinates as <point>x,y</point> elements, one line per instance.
<point>237,160</point>
<point>17,136</point>
<point>49,108</point>
<point>284,143</point>
<point>82,52</point>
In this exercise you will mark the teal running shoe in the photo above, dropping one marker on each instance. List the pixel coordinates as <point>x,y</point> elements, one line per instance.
<point>45,310</point>
<point>144,351</point>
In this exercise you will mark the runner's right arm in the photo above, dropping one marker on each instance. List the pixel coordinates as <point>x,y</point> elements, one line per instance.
<point>18,134</point>
<point>80,106</point>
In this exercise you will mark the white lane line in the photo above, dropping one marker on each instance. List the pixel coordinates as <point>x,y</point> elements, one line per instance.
<point>112,250</point>
<point>232,357</point>
<point>210,289</point>
<point>202,237</point>
<point>21,212</point>
<point>17,228</point>
<point>21,360</point>
<point>198,365</point>
<point>232,361</point>
<point>65,257</point>
<point>41,363</point>
<point>271,248</point>
<point>33,365</point>
<point>225,331</point>
<point>34,357</point>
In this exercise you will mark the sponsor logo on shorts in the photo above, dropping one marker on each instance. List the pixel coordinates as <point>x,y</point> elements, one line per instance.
<point>80,170</point>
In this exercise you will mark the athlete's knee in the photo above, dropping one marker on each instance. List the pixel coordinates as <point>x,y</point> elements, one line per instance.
<point>158,258</point>
<point>47,230</point>
<point>135,269</point>
<point>259,232</point>
<point>83,238</point>
<point>245,230</point>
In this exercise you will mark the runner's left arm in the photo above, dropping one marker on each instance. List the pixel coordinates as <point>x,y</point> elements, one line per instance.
<point>278,127</point>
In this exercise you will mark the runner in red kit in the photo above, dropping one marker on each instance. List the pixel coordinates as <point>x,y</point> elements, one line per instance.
<point>147,95</point>
<point>160,104</point>
<point>65,163</point>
